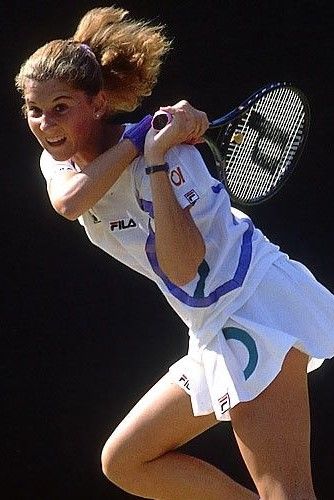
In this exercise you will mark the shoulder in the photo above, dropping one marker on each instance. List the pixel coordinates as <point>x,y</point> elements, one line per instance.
<point>49,166</point>
<point>184,153</point>
<point>187,160</point>
<point>47,160</point>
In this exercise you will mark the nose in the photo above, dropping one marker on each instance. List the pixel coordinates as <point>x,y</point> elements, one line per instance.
<point>46,122</point>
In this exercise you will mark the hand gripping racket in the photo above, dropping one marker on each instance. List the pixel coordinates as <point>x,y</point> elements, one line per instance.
<point>257,145</point>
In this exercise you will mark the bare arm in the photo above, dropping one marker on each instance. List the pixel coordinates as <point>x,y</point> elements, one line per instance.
<point>179,244</point>
<point>73,193</point>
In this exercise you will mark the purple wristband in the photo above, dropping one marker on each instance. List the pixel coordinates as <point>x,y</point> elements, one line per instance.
<point>137,133</point>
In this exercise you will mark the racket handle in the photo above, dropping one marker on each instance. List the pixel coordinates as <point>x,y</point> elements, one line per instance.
<point>161,119</point>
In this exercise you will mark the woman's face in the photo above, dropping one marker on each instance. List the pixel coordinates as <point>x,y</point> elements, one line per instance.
<point>63,119</point>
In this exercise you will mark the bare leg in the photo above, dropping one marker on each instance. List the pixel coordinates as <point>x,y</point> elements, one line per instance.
<point>273,434</point>
<point>139,455</point>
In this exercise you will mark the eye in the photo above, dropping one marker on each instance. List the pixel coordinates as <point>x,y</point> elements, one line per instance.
<point>61,108</point>
<point>33,111</point>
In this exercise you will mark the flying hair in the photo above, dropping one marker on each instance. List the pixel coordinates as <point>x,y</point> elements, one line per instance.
<point>108,51</point>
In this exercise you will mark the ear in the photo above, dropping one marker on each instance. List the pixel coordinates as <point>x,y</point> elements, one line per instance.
<point>100,105</point>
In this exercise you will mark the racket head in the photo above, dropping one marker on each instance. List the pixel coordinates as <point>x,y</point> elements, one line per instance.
<point>259,148</point>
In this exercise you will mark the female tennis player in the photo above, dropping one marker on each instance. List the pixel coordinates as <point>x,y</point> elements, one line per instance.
<point>257,320</point>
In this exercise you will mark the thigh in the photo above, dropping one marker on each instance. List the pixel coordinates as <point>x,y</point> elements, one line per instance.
<point>161,421</point>
<point>273,431</point>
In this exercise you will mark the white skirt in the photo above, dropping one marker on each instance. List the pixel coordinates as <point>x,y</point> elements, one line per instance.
<point>289,308</point>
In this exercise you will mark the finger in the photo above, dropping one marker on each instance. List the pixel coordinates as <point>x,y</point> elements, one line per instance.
<point>199,130</point>
<point>199,121</point>
<point>183,104</point>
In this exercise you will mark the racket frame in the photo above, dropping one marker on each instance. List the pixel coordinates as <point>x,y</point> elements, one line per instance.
<point>229,121</point>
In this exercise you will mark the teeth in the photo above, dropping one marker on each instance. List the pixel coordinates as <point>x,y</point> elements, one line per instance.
<point>55,139</point>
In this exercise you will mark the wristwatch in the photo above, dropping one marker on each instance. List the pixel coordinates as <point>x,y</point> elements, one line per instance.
<point>157,168</point>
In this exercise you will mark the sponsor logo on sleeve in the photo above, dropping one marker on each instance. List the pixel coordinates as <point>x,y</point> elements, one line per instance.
<point>192,196</point>
<point>176,176</point>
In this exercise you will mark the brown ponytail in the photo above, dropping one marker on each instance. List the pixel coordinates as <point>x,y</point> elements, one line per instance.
<point>130,53</point>
<point>108,51</point>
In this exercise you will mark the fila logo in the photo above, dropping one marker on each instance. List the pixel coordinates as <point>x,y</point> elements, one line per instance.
<point>192,196</point>
<point>185,382</point>
<point>176,176</point>
<point>224,403</point>
<point>121,224</point>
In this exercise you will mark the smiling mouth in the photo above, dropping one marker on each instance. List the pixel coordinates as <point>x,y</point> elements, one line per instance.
<point>57,141</point>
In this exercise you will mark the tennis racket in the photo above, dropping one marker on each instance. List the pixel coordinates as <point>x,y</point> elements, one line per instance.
<point>256,146</point>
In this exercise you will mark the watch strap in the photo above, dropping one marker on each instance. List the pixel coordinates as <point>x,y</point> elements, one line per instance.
<point>157,168</point>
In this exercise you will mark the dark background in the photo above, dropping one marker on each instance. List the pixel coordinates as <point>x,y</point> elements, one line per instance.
<point>82,338</point>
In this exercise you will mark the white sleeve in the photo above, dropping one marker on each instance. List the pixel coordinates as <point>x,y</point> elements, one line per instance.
<point>189,175</point>
<point>51,167</point>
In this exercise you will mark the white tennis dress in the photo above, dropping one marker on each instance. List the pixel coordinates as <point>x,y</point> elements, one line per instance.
<point>247,306</point>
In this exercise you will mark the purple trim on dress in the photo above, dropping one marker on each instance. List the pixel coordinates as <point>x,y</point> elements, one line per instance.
<point>214,296</point>
<point>147,206</point>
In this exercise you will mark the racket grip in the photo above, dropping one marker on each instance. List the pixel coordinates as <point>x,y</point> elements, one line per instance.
<point>161,119</point>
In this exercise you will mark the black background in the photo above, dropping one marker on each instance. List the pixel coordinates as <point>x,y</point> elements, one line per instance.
<point>82,338</point>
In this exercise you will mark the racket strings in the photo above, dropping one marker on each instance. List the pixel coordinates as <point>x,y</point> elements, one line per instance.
<point>272,150</point>
<point>238,162</point>
<point>296,134</point>
<point>265,135</point>
<point>240,157</point>
<point>272,131</point>
<point>267,152</point>
<point>290,115</point>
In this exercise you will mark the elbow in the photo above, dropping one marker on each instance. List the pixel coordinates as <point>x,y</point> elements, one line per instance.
<point>186,272</point>
<point>66,209</point>
<point>182,279</point>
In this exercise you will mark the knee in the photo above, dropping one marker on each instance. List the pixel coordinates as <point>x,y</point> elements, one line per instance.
<point>290,491</point>
<point>119,465</point>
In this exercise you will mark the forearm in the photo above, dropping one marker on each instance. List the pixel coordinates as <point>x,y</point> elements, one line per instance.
<point>84,189</point>
<point>179,244</point>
